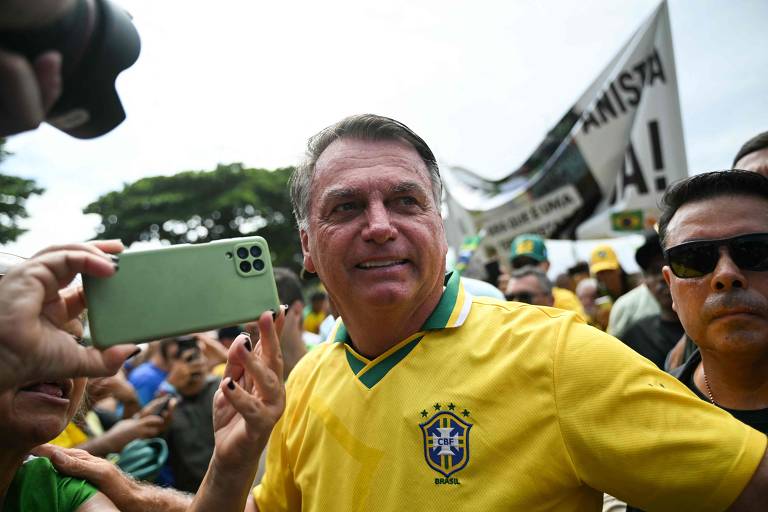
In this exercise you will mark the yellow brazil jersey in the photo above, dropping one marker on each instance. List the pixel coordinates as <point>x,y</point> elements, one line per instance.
<point>566,299</point>
<point>499,406</point>
<point>71,436</point>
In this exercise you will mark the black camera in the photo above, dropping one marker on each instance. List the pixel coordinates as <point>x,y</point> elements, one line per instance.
<point>96,41</point>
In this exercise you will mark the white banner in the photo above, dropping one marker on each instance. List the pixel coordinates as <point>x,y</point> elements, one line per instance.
<point>602,169</point>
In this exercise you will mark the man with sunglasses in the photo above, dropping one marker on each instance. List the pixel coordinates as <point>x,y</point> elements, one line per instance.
<point>714,229</point>
<point>531,286</point>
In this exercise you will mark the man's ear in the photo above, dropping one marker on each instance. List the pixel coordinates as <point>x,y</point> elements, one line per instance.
<point>667,273</point>
<point>309,265</point>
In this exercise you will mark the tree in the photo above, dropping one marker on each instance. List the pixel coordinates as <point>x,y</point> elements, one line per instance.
<point>200,206</point>
<point>14,193</point>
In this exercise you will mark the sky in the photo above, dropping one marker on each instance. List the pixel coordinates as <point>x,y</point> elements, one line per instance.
<point>482,82</point>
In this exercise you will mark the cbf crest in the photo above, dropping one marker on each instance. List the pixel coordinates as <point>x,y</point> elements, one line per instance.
<point>446,441</point>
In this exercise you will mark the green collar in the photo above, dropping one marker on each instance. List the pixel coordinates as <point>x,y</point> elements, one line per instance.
<point>450,312</point>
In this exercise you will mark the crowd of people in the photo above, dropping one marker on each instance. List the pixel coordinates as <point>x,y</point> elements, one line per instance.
<point>398,384</point>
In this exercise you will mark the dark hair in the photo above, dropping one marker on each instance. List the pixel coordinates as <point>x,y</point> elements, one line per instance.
<point>165,347</point>
<point>229,333</point>
<point>756,143</point>
<point>368,127</point>
<point>706,186</point>
<point>317,296</point>
<point>581,267</point>
<point>288,285</point>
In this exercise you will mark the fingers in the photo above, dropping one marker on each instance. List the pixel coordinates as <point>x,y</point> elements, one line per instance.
<point>108,246</point>
<point>48,71</point>
<point>73,462</point>
<point>21,105</point>
<point>270,341</point>
<point>54,270</point>
<point>253,411</point>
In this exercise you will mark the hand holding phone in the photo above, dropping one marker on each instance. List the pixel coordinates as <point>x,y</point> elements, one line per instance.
<point>180,289</point>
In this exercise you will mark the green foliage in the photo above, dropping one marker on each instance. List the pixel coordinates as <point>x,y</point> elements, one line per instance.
<point>14,193</point>
<point>200,206</point>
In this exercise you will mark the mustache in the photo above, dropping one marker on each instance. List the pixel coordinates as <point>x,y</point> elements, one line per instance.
<point>737,299</point>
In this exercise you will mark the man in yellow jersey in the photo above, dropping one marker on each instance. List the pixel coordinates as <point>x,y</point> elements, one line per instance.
<point>530,250</point>
<point>432,399</point>
<point>427,398</point>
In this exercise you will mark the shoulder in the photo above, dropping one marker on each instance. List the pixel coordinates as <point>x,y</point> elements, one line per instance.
<point>538,327</point>
<point>143,372</point>
<point>37,474</point>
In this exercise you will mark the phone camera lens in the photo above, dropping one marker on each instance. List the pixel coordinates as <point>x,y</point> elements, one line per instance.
<point>255,251</point>
<point>242,253</point>
<point>245,266</point>
<point>258,265</point>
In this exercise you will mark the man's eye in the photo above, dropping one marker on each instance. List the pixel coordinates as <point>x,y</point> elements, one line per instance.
<point>345,207</point>
<point>407,200</point>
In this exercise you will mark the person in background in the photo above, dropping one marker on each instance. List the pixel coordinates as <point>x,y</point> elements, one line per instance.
<point>611,277</point>
<point>586,291</point>
<point>530,285</point>
<point>189,435</point>
<point>226,335</point>
<point>714,228</point>
<point>565,282</point>
<point>318,310</point>
<point>579,272</point>
<point>628,304</point>
<point>529,249</point>
<point>753,155</point>
<point>294,340</point>
<point>146,377</point>
<point>654,336</point>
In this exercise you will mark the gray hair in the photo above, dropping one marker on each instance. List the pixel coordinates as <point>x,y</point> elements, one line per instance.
<point>589,282</point>
<point>540,275</point>
<point>367,127</point>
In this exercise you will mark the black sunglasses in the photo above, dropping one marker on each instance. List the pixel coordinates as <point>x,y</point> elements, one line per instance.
<point>526,297</point>
<point>700,257</point>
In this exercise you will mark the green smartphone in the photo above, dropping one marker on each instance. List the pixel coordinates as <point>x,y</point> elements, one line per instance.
<point>181,289</point>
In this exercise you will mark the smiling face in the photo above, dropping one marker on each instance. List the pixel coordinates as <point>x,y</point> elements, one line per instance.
<point>375,236</point>
<point>726,310</point>
<point>36,412</point>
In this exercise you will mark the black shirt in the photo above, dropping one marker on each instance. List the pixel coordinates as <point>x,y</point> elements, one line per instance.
<point>757,419</point>
<point>653,337</point>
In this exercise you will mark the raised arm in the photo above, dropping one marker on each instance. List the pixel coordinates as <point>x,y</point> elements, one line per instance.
<point>247,405</point>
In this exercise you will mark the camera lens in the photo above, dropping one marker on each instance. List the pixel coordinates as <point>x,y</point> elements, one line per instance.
<point>258,265</point>
<point>255,251</point>
<point>242,253</point>
<point>245,266</point>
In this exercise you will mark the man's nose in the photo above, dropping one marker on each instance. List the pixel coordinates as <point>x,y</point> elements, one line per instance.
<point>379,228</point>
<point>727,274</point>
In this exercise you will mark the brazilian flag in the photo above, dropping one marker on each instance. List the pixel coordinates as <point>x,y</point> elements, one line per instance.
<point>628,220</point>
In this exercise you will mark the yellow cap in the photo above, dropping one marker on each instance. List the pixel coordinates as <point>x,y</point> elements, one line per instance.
<point>603,258</point>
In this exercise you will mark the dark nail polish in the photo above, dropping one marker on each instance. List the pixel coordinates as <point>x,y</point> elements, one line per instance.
<point>248,345</point>
<point>274,314</point>
<point>286,307</point>
<point>231,384</point>
<point>117,267</point>
<point>115,258</point>
<point>135,353</point>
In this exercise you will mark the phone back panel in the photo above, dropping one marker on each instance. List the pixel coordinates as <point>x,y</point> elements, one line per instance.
<point>181,289</point>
